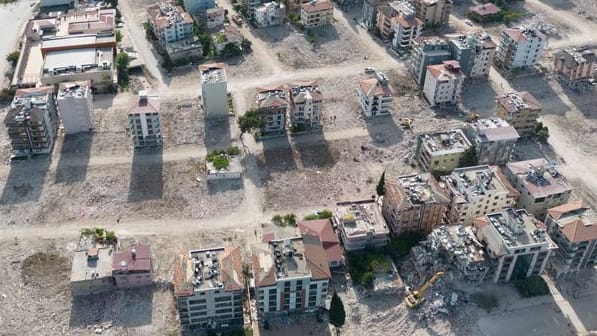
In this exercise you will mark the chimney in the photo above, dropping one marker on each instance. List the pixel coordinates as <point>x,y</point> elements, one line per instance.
<point>143,97</point>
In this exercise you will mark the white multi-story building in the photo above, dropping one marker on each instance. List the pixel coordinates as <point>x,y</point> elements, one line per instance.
<point>441,151</point>
<point>317,13</point>
<point>520,48</point>
<point>75,105</point>
<point>305,104</point>
<point>290,275</point>
<point>269,14</point>
<point>272,104</point>
<point>375,95</point>
<point>145,121</point>
<point>169,22</point>
<point>493,138</point>
<point>474,52</point>
<point>214,91</point>
<point>516,243</point>
<point>208,289</point>
<point>477,191</point>
<point>361,224</point>
<point>407,26</point>
<point>443,83</point>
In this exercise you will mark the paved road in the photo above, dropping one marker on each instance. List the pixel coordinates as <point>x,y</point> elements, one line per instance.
<point>14,15</point>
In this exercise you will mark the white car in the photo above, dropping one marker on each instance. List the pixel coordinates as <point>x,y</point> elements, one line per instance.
<point>468,22</point>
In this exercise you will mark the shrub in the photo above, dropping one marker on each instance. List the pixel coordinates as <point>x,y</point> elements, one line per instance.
<point>367,279</point>
<point>220,162</point>
<point>323,214</point>
<point>251,120</point>
<point>231,50</point>
<point>13,58</point>
<point>232,151</point>
<point>337,312</point>
<point>290,219</point>
<point>278,220</point>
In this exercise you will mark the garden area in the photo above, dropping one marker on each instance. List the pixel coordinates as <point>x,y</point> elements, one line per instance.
<point>220,159</point>
<point>363,266</point>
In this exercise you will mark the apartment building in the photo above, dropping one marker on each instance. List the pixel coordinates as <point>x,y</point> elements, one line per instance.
<point>433,12</point>
<point>443,83</point>
<point>441,151</point>
<point>208,289</point>
<point>459,245</point>
<point>249,6</point>
<point>291,275</point>
<point>198,6</point>
<point>414,203</point>
<point>516,243</point>
<point>474,52</point>
<point>385,21</point>
<point>575,67</point>
<point>519,48</point>
<point>361,224</point>
<point>540,185</point>
<point>133,267</point>
<point>406,26</point>
<point>317,13</point>
<point>91,272</point>
<point>427,51</point>
<point>269,14</point>
<point>214,92</point>
<point>214,18</point>
<point>306,103</point>
<point>370,10</point>
<point>272,104</point>
<point>484,12</point>
<point>229,34</point>
<point>169,22</point>
<point>476,191</point>
<point>573,227</point>
<point>89,21</point>
<point>323,230</point>
<point>32,121</point>
<point>145,121</point>
<point>520,109</point>
<point>493,138</point>
<point>75,104</point>
<point>375,95</point>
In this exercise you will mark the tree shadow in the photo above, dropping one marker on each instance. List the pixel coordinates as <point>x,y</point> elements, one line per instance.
<point>384,131</point>
<point>74,158</point>
<point>126,308</point>
<point>25,181</point>
<point>313,150</point>
<point>146,175</point>
<point>479,98</point>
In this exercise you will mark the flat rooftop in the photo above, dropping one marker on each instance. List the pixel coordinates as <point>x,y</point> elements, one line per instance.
<point>418,188</point>
<point>470,182</point>
<point>86,59</point>
<point>445,142</point>
<point>493,129</point>
<point>540,177</point>
<point>361,218</point>
<point>91,264</point>
<point>516,228</point>
<point>79,89</point>
<point>460,242</point>
<point>518,101</point>
<point>213,73</point>
<point>77,41</point>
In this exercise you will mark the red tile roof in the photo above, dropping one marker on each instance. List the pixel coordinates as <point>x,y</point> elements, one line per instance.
<point>485,9</point>
<point>322,228</point>
<point>140,263</point>
<point>317,6</point>
<point>231,269</point>
<point>43,89</point>
<point>558,211</point>
<point>372,87</point>
<point>408,22</point>
<point>150,105</point>
<point>316,258</point>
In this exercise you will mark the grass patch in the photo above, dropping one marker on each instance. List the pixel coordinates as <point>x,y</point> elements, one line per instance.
<point>363,266</point>
<point>219,158</point>
<point>531,287</point>
<point>323,214</point>
<point>487,301</point>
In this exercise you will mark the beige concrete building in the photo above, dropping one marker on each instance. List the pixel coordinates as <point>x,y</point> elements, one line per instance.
<point>375,95</point>
<point>574,67</point>
<point>520,110</point>
<point>75,103</point>
<point>414,203</point>
<point>441,151</point>
<point>573,226</point>
<point>493,138</point>
<point>306,103</point>
<point>91,272</point>
<point>443,83</point>
<point>476,191</point>
<point>272,104</point>
<point>540,185</point>
<point>433,12</point>
<point>520,48</point>
<point>516,242</point>
<point>361,224</point>
<point>317,13</point>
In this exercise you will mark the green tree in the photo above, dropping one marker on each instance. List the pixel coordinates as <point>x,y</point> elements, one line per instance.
<point>13,57</point>
<point>251,120</point>
<point>245,44</point>
<point>367,279</point>
<point>122,69</point>
<point>381,186</point>
<point>337,313</point>
<point>469,157</point>
<point>290,219</point>
<point>541,133</point>
<point>231,50</point>
<point>118,36</point>
<point>206,43</point>
<point>278,220</point>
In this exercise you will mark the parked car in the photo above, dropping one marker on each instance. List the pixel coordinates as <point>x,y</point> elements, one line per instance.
<point>369,70</point>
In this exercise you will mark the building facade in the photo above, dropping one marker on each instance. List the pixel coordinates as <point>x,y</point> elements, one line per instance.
<point>516,243</point>
<point>75,104</point>
<point>208,289</point>
<point>214,18</point>
<point>414,203</point>
<point>575,67</point>
<point>520,109</point>
<point>540,185</point>
<point>317,13</point>
<point>369,12</point>
<point>92,272</point>
<point>493,138</point>
<point>227,35</point>
<point>407,27</point>
<point>433,12</point>
<point>169,23</point>
<point>361,224</point>
<point>375,96</point>
<point>441,151</point>
<point>291,275</point>
<point>520,48</point>
<point>477,191</point>
<point>306,103</point>
<point>427,51</point>
<point>459,245</point>
<point>272,104</point>
<point>443,83</point>
<point>32,121</point>
<point>573,227</point>
<point>269,14</point>
<point>198,6</point>
<point>214,92</point>
<point>145,121</point>
<point>474,52</point>
<point>133,267</point>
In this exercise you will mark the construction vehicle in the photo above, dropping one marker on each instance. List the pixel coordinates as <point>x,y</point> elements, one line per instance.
<point>406,123</point>
<point>473,116</point>
<point>416,297</point>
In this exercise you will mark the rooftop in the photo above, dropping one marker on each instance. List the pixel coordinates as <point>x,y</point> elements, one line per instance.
<point>415,189</point>
<point>517,101</point>
<point>575,57</point>
<point>576,221</point>
<point>460,242</point>
<point>166,13</point>
<point>376,86</point>
<point>471,182</point>
<point>144,104</point>
<point>271,97</point>
<point>493,129</point>
<point>29,104</point>
<point>77,60</point>
<point>485,9</point>
<point>444,142</point>
<point>136,259</point>
<point>92,19</point>
<point>448,70</point>
<point>317,6</point>
<point>79,41</point>
<point>473,40</point>
<point>94,263</point>
<point>361,218</point>
<point>213,72</point>
<point>208,269</point>
<point>302,91</point>
<point>540,177</point>
<point>78,89</point>
<point>322,229</point>
<point>522,33</point>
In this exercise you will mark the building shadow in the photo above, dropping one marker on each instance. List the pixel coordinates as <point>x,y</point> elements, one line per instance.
<point>584,102</point>
<point>479,98</point>
<point>74,158</point>
<point>384,131</point>
<point>277,156</point>
<point>529,149</point>
<point>224,185</point>
<point>124,308</point>
<point>325,34</point>
<point>297,324</point>
<point>559,4</point>
<point>313,150</point>
<point>217,134</point>
<point>273,34</point>
<point>103,101</point>
<point>146,175</point>
<point>541,89</point>
<point>25,181</point>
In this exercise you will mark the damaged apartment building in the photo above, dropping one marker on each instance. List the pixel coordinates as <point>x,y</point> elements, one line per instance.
<point>305,105</point>
<point>361,224</point>
<point>414,203</point>
<point>441,151</point>
<point>272,104</point>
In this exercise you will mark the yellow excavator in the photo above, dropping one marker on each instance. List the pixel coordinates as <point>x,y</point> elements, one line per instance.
<point>472,116</point>
<point>407,123</point>
<point>414,298</point>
